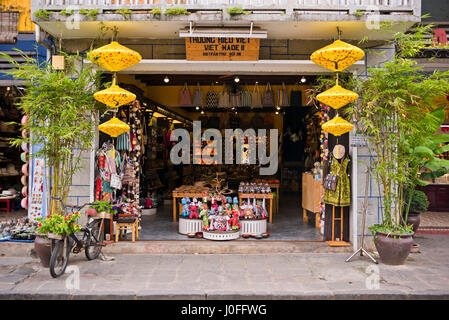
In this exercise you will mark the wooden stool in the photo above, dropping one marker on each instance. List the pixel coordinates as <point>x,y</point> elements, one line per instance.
<point>125,224</point>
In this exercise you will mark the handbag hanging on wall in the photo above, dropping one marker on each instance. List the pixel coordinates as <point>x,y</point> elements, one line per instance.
<point>268,97</point>
<point>184,97</point>
<point>283,97</point>
<point>296,98</point>
<point>256,99</point>
<point>223,98</point>
<point>198,97</point>
<point>246,98</point>
<point>212,98</point>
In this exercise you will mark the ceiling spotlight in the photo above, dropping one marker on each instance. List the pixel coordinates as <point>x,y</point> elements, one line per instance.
<point>202,112</point>
<point>8,88</point>
<point>278,108</point>
<point>277,112</point>
<point>197,108</point>
<point>166,79</point>
<point>303,79</point>
<point>237,79</point>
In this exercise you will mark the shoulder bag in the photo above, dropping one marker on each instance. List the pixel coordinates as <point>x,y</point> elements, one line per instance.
<point>198,97</point>
<point>184,97</point>
<point>268,98</point>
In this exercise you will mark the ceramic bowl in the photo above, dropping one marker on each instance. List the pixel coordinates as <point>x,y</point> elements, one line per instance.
<point>191,235</point>
<point>199,235</point>
<point>258,236</point>
<point>265,234</point>
<point>246,235</point>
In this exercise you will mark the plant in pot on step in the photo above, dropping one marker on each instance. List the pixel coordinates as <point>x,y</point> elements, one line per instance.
<point>102,209</point>
<point>54,226</point>
<point>394,114</point>
<point>418,204</point>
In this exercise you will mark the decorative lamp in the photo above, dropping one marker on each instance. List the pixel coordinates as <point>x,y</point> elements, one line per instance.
<point>114,127</point>
<point>337,56</point>
<point>114,57</point>
<point>337,97</point>
<point>337,126</point>
<point>114,96</point>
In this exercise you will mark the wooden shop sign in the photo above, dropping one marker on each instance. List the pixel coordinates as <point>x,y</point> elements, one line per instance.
<point>222,49</point>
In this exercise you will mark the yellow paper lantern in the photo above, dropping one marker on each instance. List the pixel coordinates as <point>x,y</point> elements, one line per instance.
<point>114,57</point>
<point>337,56</point>
<point>114,127</point>
<point>337,97</point>
<point>337,126</point>
<point>114,96</point>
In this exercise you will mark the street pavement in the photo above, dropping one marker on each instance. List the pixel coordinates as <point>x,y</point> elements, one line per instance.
<point>425,275</point>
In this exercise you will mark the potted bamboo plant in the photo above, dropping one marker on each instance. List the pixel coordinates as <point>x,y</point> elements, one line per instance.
<point>395,113</point>
<point>62,116</point>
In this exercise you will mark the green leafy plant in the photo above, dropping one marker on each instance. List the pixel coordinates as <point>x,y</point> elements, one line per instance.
<point>234,11</point>
<point>156,11</point>
<point>67,12</point>
<point>104,206</point>
<point>42,14</point>
<point>91,13</point>
<point>359,13</point>
<point>176,11</point>
<point>125,13</point>
<point>419,202</point>
<point>59,224</point>
<point>395,112</point>
<point>62,115</point>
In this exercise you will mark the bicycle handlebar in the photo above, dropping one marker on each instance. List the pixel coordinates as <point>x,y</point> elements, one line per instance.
<point>65,206</point>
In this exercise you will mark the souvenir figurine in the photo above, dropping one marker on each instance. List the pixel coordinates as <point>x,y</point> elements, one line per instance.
<point>205,197</point>
<point>203,215</point>
<point>193,209</point>
<point>212,222</point>
<point>185,208</point>
<point>234,221</point>
<point>263,210</point>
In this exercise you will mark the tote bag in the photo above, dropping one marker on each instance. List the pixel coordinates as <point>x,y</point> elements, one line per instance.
<point>283,97</point>
<point>296,98</point>
<point>223,98</point>
<point>246,98</point>
<point>212,98</point>
<point>256,99</point>
<point>268,98</point>
<point>184,97</point>
<point>198,97</point>
<point>235,100</point>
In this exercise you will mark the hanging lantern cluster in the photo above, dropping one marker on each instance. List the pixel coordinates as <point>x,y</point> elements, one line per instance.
<point>337,57</point>
<point>114,57</point>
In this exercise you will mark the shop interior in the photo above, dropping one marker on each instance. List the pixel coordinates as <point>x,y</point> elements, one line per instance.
<point>149,177</point>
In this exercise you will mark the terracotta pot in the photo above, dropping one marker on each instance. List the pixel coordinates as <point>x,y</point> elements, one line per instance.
<point>42,246</point>
<point>414,219</point>
<point>393,250</point>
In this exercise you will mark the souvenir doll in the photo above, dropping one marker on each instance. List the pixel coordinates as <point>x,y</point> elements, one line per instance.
<point>194,209</point>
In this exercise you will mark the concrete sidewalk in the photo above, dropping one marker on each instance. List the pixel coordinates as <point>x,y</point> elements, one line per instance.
<point>236,276</point>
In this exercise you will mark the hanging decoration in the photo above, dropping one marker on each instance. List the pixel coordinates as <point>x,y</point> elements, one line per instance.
<point>337,97</point>
<point>337,56</point>
<point>114,96</point>
<point>114,127</point>
<point>114,57</point>
<point>337,126</point>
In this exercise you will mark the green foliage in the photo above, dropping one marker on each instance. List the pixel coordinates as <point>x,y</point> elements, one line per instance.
<point>91,13</point>
<point>391,229</point>
<point>418,203</point>
<point>156,11</point>
<point>59,224</point>
<point>104,206</point>
<point>176,11</point>
<point>42,14</point>
<point>234,11</point>
<point>125,13</point>
<point>359,13</point>
<point>62,115</point>
<point>396,113</point>
<point>67,12</point>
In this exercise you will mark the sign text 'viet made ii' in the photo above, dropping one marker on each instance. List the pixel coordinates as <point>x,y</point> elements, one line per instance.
<point>222,49</point>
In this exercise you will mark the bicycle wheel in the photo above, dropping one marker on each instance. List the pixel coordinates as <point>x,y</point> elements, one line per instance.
<point>94,241</point>
<point>60,257</point>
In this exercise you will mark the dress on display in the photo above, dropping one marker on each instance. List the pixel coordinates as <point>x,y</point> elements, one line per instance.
<point>341,196</point>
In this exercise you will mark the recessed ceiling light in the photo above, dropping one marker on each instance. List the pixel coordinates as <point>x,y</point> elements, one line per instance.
<point>197,108</point>
<point>237,79</point>
<point>303,79</point>
<point>166,79</point>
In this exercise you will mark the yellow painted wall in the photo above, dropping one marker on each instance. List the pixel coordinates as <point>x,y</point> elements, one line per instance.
<point>24,7</point>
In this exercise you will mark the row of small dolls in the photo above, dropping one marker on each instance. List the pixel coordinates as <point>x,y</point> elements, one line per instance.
<point>246,187</point>
<point>230,207</point>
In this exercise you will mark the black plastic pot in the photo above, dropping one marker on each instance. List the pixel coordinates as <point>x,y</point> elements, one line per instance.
<point>42,246</point>
<point>393,249</point>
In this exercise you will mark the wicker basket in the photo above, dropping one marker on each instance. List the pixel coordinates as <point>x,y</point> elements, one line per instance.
<point>190,225</point>
<point>253,226</point>
<point>101,215</point>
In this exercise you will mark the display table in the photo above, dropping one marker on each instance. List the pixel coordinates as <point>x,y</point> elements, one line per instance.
<point>7,203</point>
<point>311,197</point>
<point>186,191</point>
<point>268,196</point>
<point>275,186</point>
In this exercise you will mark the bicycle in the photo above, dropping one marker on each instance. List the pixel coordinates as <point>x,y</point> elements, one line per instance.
<point>91,241</point>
